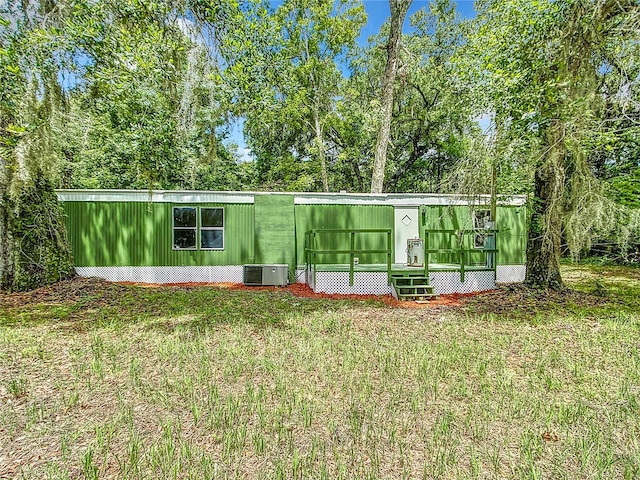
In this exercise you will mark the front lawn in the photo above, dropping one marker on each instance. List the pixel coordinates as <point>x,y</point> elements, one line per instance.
<point>116,381</point>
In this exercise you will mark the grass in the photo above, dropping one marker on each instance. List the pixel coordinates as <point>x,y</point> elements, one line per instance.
<point>112,381</point>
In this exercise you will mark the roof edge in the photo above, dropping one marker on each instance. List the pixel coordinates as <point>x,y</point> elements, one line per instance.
<point>300,198</point>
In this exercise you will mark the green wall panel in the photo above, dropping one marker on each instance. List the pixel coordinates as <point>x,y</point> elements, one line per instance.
<point>511,225</point>
<point>512,235</point>
<point>310,217</point>
<point>271,231</point>
<point>274,229</point>
<point>141,234</point>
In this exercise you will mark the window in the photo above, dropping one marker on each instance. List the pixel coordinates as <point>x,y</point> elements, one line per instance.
<point>184,228</point>
<point>189,228</point>
<point>480,220</point>
<point>211,228</point>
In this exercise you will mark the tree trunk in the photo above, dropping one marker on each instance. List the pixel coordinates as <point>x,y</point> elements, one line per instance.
<point>5,240</point>
<point>320,147</point>
<point>545,229</point>
<point>398,13</point>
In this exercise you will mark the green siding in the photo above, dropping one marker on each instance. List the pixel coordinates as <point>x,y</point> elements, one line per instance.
<point>274,229</point>
<point>511,225</point>
<point>445,218</point>
<point>310,217</point>
<point>141,234</point>
<point>512,235</point>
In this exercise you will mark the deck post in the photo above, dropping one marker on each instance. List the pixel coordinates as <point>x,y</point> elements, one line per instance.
<point>351,257</point>
<point>389,257</point>
<point>495,255</point>
<point>426,252</point>
<point>314,256</point>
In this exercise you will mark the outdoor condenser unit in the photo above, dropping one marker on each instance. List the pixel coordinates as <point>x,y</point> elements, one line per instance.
<point>256,275</point>
<point>415,252</point>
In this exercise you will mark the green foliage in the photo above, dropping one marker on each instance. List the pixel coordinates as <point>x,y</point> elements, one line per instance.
<point>140,94</point>
<point>287,80</point>
<point>545,71</point>
<point>41,253</point>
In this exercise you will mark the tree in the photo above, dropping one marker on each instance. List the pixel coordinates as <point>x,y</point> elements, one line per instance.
<point>140,111</point>
<point>399,10</point>
<point>291,90</point>
<point>433,123</point>
<point>33,245</point>
<point>546,63</point>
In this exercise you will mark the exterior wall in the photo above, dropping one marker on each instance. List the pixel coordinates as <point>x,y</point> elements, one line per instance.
<point>129,235</point>
<point>512,235</point>
<point>308,217</point>
<point>511,224</point>
<point>141,234</point>
<point>443,217</point>
<point>274,229</point>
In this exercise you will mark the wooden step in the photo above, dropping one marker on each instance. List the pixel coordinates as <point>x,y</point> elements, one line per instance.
<point>412,280</point>
<point>420,298</point>
<point>414,288</point>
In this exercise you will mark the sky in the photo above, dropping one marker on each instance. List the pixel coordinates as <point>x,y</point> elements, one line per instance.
<point>377,13</point>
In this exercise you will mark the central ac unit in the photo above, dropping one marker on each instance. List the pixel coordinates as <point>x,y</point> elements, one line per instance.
<point>277,275</point>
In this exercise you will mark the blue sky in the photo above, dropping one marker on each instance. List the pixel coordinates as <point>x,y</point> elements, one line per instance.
<point>377,13</point>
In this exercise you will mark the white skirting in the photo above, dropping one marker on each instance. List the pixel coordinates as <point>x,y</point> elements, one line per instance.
<point>200,274</point>
<point>510,273</point>
<point>372,283</point>
<point>300,276</point>
<point>376,282</point>
<point>449,282</point>
<point>325,282</point>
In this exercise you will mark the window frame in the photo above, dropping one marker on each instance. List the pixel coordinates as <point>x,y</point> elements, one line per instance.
<point>479,238</point>
<point>210,228</point>
<point>198,228</point>
<point>174,228</point>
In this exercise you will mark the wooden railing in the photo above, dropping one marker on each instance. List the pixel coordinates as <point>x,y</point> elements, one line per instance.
<point>461,251</point>
<point>312,251</point>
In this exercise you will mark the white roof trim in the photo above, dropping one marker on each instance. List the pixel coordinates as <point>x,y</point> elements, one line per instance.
<point>402,199</point>
<point>192,196</point>
<point>156,196</point>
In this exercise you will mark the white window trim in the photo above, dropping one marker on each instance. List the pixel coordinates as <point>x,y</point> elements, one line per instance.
<point>478,233</point>
<point>174,228</point>
<point>198,228</point>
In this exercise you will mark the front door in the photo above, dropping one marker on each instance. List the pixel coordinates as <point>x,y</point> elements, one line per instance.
<point>406,226</point>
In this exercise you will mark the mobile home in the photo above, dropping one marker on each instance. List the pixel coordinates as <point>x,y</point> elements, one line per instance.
<point>408,245</point>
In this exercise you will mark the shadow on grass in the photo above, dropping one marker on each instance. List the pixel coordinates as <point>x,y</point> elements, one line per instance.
<point>83,304</point>
<point>594,298</point>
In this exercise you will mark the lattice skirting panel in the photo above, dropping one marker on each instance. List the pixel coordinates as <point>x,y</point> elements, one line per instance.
<point>510,273</point>
<point>204,274</point>
<point>338,282</point>
<point>301,276</point>
<point>449,282</point>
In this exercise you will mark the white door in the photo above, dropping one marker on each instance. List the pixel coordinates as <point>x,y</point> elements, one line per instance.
<point>406,226</point>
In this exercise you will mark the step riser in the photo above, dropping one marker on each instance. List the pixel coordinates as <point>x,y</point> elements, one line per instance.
<point>419,292</point>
